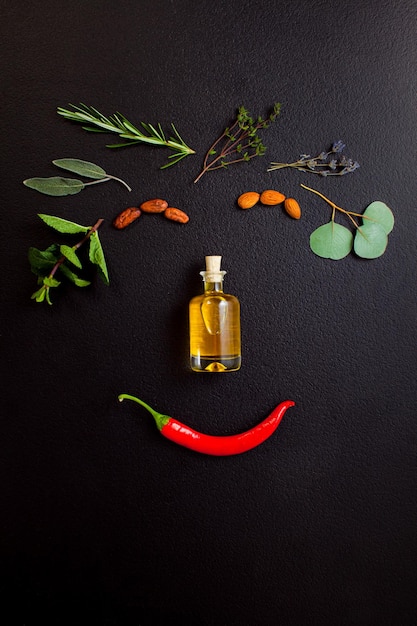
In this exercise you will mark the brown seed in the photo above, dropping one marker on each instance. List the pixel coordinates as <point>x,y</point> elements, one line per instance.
<point>176,215</point>
<point>292,208</point>
<point>126,217</point>
<point>248,200</point>
<point>154,206</point>
<point>271,197</point>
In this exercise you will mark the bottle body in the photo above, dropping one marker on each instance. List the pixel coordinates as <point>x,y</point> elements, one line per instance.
<point>215,344</point>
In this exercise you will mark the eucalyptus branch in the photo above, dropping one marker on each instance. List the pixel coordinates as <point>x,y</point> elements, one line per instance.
<point>349,214</point>
<point>94,121</point>
<point>334,241</point>
<point>240,139</point>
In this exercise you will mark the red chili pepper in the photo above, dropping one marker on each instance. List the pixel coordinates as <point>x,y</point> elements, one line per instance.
<point>208,444</point>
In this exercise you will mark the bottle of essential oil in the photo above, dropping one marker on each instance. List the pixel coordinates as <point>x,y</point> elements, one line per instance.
<point>214,324</point>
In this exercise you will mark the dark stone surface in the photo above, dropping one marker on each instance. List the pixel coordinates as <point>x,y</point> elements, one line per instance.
<point>105,522</point>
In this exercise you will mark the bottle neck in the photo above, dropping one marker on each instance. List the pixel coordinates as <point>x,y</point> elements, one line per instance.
<point>210,286</point>
<point>213,281</point>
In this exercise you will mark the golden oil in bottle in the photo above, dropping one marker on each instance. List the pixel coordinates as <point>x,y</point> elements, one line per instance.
<point>214,324</point>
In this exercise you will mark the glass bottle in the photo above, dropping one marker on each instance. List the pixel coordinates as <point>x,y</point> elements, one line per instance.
<point>214,324</point>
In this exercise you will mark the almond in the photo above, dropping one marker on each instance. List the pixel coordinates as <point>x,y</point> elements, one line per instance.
<point>272,197</point>
<point>154,206</point>
<point>292,208</point>
<point>176,215</point>
<point>248,200</point>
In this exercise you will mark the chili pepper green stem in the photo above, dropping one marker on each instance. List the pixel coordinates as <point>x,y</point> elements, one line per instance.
<point>161,420</point>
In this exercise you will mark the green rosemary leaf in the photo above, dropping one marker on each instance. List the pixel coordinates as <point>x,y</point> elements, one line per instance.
<point>175,159</point>
<point>55,185</point>
<point>83,168</point>
<point>94,130</point>
<point>128,125</point>
<point>121,145</point>
<point>70,254</point>
<point>63,226</point>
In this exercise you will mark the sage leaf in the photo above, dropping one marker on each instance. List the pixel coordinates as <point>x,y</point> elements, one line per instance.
<point>79,282</point>
<point>379,212</point>
<point>370,240</point>
<point>331,241</point>
<point>83,168</point>
<point>55,185</point>
<point>70,254</point>
<point>96,256</point>
<point>63,226</point>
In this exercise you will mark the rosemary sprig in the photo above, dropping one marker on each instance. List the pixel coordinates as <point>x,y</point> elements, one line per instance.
<point>239,142</point>
<point>94,121</point>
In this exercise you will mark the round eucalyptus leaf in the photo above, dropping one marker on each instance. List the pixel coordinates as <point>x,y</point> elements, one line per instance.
<point>379,212</point>
<point>331,241</point>
<point>370,240</point>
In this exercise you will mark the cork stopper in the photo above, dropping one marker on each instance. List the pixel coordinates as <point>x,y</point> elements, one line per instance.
<point>213,273</point>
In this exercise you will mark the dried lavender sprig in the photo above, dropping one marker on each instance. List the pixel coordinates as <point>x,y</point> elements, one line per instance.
<point>321,164</point>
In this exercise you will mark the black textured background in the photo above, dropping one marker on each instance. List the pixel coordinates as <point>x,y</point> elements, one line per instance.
<point>102,520</point>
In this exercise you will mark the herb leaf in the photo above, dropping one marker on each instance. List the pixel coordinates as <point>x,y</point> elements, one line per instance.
<point>331,241</point>
<point>63,226</point>
<point>70,254</point>
<point>42,261</point>
<point>96,256</point>
<point>370,240</point>
<point>83,168</point>
<point>79,282</point>
<point>379,212</point>
<point>55,185</point>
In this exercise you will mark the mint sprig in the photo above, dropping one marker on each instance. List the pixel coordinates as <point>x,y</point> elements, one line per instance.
<point>63,259</point>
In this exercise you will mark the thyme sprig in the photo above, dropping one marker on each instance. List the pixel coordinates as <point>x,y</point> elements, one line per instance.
<point>324,164</point>
<point>94,121</point>
<point>239,142</point>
